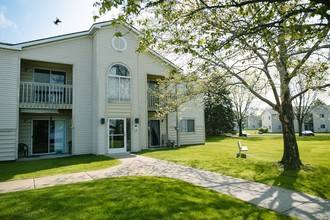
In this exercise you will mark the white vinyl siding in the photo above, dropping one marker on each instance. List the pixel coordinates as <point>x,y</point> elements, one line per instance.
<point>78,53</point>
<point>192,110</point>
<point>9,72</point>
<point>104,58</point>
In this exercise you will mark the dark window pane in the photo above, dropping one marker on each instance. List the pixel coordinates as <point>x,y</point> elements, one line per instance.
<point>42,76</point>
<point>57,77</point>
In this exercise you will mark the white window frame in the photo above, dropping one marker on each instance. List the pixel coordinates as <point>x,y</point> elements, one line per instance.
<point>35,70</point>
<point>120,78</point>
<point>184,125</point>
<point>123,41</point>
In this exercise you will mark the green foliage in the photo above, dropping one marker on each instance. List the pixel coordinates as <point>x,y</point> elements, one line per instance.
<point>38,168</point>
<point>263,45</point>
<point>219,115</point>
<point>261,164</point>
<point>128,198</point>
<point>174,90</point>
<point>263,130</point>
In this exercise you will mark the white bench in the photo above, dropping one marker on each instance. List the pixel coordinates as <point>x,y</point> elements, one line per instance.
<point>241,149</point>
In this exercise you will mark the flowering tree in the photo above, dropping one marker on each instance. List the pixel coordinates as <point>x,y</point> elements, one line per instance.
<point>265,42</point>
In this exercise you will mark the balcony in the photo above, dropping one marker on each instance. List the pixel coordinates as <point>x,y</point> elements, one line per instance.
<point>152,102</point>
<point>45,95</point>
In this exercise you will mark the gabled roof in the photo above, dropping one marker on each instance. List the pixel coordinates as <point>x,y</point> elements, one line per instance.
<point>90,32</point>
<point>270,111</point>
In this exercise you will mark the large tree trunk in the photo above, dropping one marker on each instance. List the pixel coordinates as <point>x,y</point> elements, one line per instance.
<point>240,129</point>
<point>300,125</point>
<point>291,159</point>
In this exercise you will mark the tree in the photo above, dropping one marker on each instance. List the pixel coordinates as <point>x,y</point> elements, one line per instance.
<point>172,92</point>
<point>219,115</point>
<point>303,104</point>
<point>242,99</point>
<point>251,40</point>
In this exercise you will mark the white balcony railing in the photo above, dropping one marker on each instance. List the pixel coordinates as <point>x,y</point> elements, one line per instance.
<point>153,102</point>
<point>45,95</point>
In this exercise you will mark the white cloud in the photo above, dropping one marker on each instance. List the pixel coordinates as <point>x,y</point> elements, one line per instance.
<point>5,22</point>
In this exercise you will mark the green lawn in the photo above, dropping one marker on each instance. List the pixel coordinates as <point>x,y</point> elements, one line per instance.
<point>219,155</point>
<point>37,168</point>
<point>128,198</point>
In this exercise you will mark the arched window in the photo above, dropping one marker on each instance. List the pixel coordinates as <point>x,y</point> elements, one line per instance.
<point>119,83</point>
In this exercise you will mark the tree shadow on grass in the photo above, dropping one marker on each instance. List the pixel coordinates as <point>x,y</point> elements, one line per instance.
<point>286,179</point>
<point>8,170</point>
<point>292,202</point>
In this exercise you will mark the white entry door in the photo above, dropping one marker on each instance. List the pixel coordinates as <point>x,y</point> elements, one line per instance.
<point>117,135</point>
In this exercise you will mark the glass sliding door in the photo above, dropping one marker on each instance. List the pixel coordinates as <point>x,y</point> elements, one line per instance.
<point>154,133</point>
<point>117,135</point>
<point>57,136</point>
<point>48,136</point>
<point>40,137</point>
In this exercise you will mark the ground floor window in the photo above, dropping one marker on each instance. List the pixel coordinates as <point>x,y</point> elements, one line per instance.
<point>187,125</point>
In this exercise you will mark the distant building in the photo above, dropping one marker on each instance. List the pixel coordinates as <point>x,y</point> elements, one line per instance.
<point>321,119</point>
<point>252,122</point>
<point>270,120</point>
<point>317,121</point>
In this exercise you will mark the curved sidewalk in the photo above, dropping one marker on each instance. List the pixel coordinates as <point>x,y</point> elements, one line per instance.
<point>289,202</point>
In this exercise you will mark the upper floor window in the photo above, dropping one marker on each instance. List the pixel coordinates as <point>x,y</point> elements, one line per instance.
<point>187,125</point>
<point>119,43</point>
<point>49,76</point>
<point>182,89</point>
<point>322,115</point>
<point>119,84</point>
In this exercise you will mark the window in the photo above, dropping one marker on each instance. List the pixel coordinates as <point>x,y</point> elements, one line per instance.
<point>322,125</point>
<point>119,44</point>
<point>182,89</point>
<point>153,100</point>
<point>119,84</point>
<point>187,125</point>
<point>268,117</point>
<point>54,92</point>
<point>322,115</point>
<point>49,76</point>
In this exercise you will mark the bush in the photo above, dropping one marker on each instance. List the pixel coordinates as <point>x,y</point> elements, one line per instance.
<point>263,130</point>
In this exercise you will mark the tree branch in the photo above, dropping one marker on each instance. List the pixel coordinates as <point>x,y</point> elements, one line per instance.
<point>309,88</point>
<point>308,54</point>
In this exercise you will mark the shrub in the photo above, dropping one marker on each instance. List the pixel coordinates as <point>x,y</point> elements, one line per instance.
<point>263,130</point>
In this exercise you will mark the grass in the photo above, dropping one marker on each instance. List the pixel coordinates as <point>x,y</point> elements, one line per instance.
<point>219,155</point>
<point>128,198</point>
<point>38,168</point>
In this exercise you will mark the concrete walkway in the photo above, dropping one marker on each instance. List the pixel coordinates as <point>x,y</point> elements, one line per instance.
<point>289,202</point>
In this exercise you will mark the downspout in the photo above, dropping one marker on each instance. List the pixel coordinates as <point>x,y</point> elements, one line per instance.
<point>178,140</point>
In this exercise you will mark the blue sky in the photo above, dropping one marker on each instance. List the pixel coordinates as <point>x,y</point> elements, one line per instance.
<point>25,20</point>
